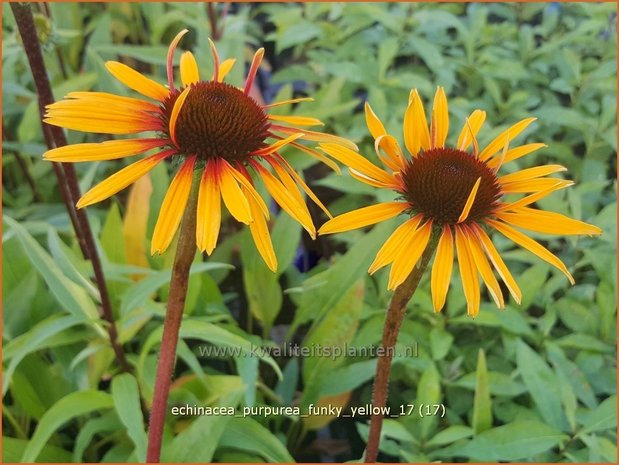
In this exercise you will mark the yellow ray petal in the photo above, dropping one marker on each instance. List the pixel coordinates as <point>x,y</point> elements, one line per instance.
<point>373,122</point>
<point>529,199</point>
<point>499,141</point>
<point>118,181</point>
<point>215,58</point>
<point>468,272</point>
<point>469,202</point>
<point>288,183</point>
<point>498,262</point>
<point>365,216</point>
<point>173,207</point>
<point>484,269</point>
<point>176,109</point>
<point>109,102</point>
<point>404,263</point>
<point>416,134</point>
<point>441,270</point>
<point>225,68</point>
<point>234,198</point>
<point>357,162</point>
<point>102,126</point>
<point>318,156</point>
<point>170,58</point>
<point>189,69</point>
<point>277,145</point>
<point>209,209</point>
<point>372,182</point>
<point>285,199</point>
<point>260,233</point>
<point>315,136</point>
<point>242,176</point>
<point>469,131</point>
<point>546,222</point>
<point>288,102</point>
<point>395,158</point>
<point>440,119</point>
<point>297,120</point>
<point>299,180</point>
<point>531,173</point>
<point>136,81</point>
<point>533,185</point>
<point>109,150</point>
<point>515,153</point>
<point>531,245</point>
<point>394,244</point>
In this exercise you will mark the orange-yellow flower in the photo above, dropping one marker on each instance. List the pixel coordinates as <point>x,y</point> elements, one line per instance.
<point>213,126</point>
<point>455,194</point>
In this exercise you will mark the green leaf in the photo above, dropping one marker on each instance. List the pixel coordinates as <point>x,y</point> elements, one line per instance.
<point>603,417</point>
<point>482,405</point>
<point>450,434</point>
<point>248,435</point>
<point>387,51</point>
<point>440,343</point>
<point>126,397</point>
<point>429,393</point>
<point>542,384</point>
<point>106,423</point>
<point>70,406</point>
<point>13,449</point>
<point>517,440</point>
<point>68,294</point>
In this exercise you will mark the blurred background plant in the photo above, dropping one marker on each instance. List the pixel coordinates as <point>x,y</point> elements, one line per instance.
<point>534,382</point>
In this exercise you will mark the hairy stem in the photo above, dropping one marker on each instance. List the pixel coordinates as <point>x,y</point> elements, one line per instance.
<point>185,252</point>
<point>65,172</point>
<point>393,322</point>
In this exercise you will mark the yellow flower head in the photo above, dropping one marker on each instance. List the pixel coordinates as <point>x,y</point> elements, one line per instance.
<point>215,127</point>
<point>456,194</point>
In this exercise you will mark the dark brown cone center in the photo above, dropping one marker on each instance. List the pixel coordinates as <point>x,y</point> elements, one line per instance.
<point>439,181</point>
<point>218,120</point>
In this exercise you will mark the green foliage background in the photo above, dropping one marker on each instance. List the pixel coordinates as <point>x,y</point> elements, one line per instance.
<point>536,382</point>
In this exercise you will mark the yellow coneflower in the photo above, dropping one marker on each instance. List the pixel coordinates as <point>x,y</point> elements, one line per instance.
<point>456,194</point>
<point>213,126</point>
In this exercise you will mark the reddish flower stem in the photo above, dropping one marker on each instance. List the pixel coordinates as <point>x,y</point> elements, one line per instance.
<point>185,252</point>
<point>393,322</point>
<point>65,172</point>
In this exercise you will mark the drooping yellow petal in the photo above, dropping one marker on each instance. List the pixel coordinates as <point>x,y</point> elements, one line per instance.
<point>315,136</point>
<point>285,199</point>
<point>515,153</point>
<point>118,181</point>
<point>136,81</point>
<point>108,150</point>
<point>357,162</point>
<point>318,156</point>
<point>225,68</point>
<point>253,69</point>
<point>441,270</point>
<point>135,224</point>
<point>546,222</point>
<point>482,265</point>
<point>395,158</point>
<point>102,126</point>
<point>498,262</point>
<point>260,233</point>
<point>371,181</point>
<point>189,69</point>
<point>404,263</point>
<point>299,180</point>
<point>469,202</point>
<point>470,130</point>
<point>288,183</point>
<point>109,102</point>
<point>297,120</point>
<point>394,244</point>
<point>173,207</point>
<point>531,245</point>
<point>170,58</point>
<point>234,198</point>
<point>416,133</point>
<point>288,102</point>
<point>440,119</point>
<point>276,145</point>
<point>529,199</point>
<point>373,122</point>
<point>531,173</point>
<point>468,272</point>
<point>362,217</point>
<point>176,109</point>
<point>242,176</point>
<point>208,219</point>
<point>499,141</point>
<point>533,185</point>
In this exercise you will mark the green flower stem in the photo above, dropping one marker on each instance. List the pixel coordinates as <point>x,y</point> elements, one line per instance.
<point>185,252</point>
<point>65,172</point>
<point>393,322</point>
